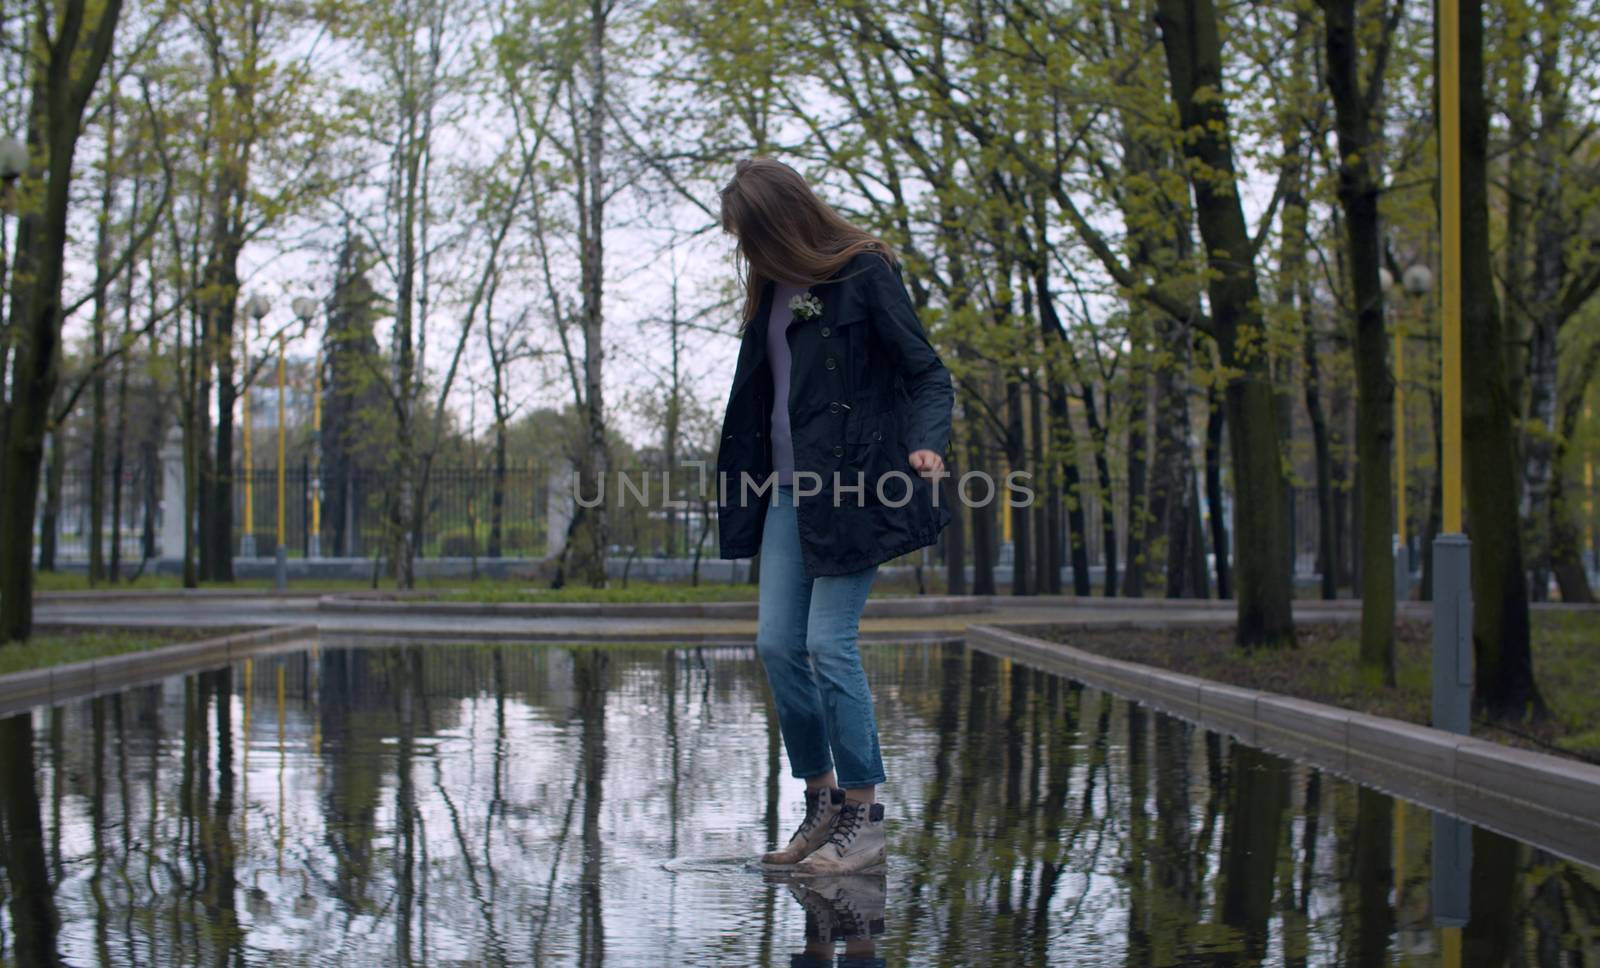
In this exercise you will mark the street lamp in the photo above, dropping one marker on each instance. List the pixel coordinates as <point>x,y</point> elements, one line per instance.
<point>1417,281</point>
<point>13,158</point>
<point>305,308</point>
<point>13,162</point>
<point>1452,549</point>
<point>256,308</point>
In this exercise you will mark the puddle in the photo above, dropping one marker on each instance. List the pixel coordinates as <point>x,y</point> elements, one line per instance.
<point>546,805</point>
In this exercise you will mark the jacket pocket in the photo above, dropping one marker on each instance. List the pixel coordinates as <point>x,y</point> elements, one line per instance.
<point>875,455</point>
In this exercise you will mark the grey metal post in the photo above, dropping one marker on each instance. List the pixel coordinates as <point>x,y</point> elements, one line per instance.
<point>1452,633</point>
<point>558,507</point>
<point>1402,571</point>
<point>1452,871</point>
<point>280,571</point>
<point>172,499</point>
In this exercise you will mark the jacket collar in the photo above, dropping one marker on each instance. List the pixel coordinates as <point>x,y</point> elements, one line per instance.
<point>753,350</point>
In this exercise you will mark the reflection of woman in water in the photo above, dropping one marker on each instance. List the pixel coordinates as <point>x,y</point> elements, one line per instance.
<point>838,397</point>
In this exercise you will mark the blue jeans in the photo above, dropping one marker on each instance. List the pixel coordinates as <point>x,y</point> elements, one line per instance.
<point>806,638</point>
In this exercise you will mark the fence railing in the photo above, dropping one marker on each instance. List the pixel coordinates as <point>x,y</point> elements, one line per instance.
<point>354,515</point>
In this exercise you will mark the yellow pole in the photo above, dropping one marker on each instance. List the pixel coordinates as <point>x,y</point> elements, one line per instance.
<point>283,756</point>
<point>249,462</point>
<point>316,710</point>
<point>316,451</point>
<point>1588,479</point>
<point>244,814</point>
<point>281,448</point>
<point>1005,511</point>
<point>1450,938</point>
<point>1400,427</point>
<point>1450,267</point>
<point>1399,853</point>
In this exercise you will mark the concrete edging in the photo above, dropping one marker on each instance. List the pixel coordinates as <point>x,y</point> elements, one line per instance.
<point>906,607</point>
<point>338,638</point>
<point>167,595</point>
<point>22,691</point>
<point>1544,800</point>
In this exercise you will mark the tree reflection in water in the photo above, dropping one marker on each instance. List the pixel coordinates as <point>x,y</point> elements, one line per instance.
<point>514,805</point>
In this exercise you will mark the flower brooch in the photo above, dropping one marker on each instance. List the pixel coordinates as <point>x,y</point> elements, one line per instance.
<point>805,306</point>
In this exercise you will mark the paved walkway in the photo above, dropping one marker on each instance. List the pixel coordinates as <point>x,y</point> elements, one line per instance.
<point>259,610</point>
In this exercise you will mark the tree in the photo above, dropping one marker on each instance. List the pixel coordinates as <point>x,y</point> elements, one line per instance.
<point>70,45</point>
<point>1193,45</point>
<point>1357,107</point>
<point>1503,686</point>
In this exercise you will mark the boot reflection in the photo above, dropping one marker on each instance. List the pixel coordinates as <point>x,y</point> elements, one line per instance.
<point>844,908</point>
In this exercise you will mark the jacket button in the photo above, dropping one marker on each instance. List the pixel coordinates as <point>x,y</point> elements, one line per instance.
<point>833,407</point>
<point>838,450</point>
<point>829,363</point>
<point>825,331</point>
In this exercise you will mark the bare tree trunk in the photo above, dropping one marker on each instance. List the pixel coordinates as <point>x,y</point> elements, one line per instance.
<point>584,556</point>
<point>192,443</point>
<point>1017,458</point>
<point>1193,45</point>
<point>1214,508</point>
<point>98,322</point>
<point>983,529</point>
<point>1063,439</point>
<point>118,467</point>
<point>151,464</point>
<point>1108,502</point>
<point>1503,685</point>
<point>50,514</point>
<point>1542,442</point>
<point>1566,540</point>
<point>34,918</point>
<point>1327,530</point>
<point>497,496</point>
<point>1355,111</point>
<point>1047,532</point>
<point>64,70</point>
<point>1139,495</point>
<point>1175,461</point>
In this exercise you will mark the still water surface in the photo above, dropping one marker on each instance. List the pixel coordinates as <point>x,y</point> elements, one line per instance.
<point>546,805</point>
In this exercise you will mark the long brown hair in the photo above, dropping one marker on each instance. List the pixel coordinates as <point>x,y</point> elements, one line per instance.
<point>786,233</point>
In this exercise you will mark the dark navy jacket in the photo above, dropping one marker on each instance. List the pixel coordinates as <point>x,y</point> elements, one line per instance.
<point>866,388</point>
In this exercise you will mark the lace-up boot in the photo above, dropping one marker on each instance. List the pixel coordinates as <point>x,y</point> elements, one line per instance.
<point>856,845</point>
<point>822,807</point>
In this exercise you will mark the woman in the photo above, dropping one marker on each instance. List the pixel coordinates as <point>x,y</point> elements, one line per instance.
<point>839,398</point>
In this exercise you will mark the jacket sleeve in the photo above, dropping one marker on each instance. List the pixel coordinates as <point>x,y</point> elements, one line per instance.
<point>926,378</point>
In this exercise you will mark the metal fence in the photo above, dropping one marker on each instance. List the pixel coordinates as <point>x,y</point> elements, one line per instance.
<point>458,520</point>
<point>357,512</point>
<point>73,523</point>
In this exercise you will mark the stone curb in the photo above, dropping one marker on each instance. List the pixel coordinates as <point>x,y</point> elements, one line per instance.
<point>210,594</point>
<point>1545,800</point>
<point>920,606</point>
<point>332,639</point>
<point>22,691</point>
<point>379,636</point>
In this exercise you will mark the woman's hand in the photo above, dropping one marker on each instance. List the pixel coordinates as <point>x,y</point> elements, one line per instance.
<point>928,463</point>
